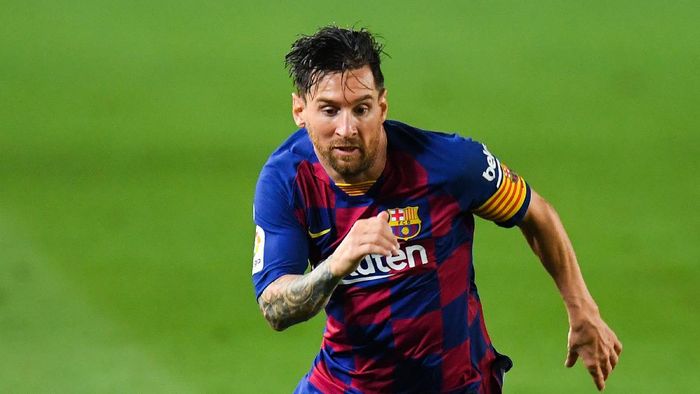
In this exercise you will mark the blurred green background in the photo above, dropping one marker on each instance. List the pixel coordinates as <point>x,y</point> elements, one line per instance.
<point>132,133</point>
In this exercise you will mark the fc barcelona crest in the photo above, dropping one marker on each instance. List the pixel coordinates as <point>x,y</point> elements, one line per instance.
<point>404,222</point>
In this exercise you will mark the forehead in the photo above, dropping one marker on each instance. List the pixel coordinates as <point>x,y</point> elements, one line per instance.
<point>345,86</point>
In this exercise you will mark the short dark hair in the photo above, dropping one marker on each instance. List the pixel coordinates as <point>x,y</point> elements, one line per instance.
<point>333,49</point>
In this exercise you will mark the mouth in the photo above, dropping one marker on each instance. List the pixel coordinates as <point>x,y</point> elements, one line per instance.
<point>346,149</point>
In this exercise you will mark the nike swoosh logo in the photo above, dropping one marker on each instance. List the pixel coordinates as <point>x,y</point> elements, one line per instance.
<point>320,233</point>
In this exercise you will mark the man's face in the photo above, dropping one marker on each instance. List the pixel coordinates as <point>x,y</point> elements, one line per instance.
<point>343,115</point>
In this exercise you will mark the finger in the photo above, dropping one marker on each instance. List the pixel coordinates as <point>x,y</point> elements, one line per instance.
<point>597,375</point>
<point>377,233</point>
<point>388,246</point>
<point>394,241</point>
<point>374,248</point>
<point>614,358</point>
<point>606,368</point>
<point>383,231</point>
<point>388,234</point>
<point>571,358</point>
<point>393,245</point>
<point>617,346</point>
<point>379,244</point>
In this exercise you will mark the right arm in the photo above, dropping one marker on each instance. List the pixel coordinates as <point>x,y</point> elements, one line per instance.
<point>291,299</point>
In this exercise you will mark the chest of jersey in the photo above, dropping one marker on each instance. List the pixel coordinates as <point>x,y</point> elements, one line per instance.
<point>426,222</point>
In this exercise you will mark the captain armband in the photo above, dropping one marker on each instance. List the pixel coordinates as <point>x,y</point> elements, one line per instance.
<point>507,200</point>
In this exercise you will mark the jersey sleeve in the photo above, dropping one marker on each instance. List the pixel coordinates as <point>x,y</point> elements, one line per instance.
<point>281,246</point>
<point>498,193</point>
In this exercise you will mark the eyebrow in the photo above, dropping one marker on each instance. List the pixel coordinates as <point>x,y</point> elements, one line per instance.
<point>331,101</point>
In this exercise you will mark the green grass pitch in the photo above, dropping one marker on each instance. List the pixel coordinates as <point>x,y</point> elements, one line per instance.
<point>132,133</point>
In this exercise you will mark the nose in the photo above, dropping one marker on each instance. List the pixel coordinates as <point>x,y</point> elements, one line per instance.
<point>346,125</point>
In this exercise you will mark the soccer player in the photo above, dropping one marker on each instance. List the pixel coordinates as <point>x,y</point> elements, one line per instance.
<point>382,212</point>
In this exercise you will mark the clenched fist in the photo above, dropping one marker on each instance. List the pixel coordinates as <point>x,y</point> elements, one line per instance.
<point>367,236</point>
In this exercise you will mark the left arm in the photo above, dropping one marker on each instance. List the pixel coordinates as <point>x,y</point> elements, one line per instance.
<point>589,336</point>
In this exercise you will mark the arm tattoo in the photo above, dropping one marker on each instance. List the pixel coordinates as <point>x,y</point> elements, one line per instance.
<point>292,299</point>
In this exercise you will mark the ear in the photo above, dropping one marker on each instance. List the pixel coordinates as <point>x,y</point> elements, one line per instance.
<point>298,106</point>
<point>383,104</point>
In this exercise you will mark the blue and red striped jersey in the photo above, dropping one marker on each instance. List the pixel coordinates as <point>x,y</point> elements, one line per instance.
<point>406,323</point>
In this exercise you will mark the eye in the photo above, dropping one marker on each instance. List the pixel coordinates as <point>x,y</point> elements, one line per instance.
<point>329,111</point>
<point>361,110</point>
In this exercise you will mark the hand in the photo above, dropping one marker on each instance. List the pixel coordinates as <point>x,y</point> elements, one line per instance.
<point>367,236</point>
<point>597,345</point>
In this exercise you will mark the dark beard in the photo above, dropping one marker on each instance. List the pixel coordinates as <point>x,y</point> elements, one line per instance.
<point>349,169</point>
<point>346,169</point>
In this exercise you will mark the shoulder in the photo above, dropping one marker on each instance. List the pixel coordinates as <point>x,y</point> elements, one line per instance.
<point>277,195</point>
<point>280,169</point>
<point>290,153</point>
<point>436,149</point>
<point>406,137</point>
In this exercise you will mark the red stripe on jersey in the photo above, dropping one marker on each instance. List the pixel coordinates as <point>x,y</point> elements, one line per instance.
<point>473,309</point>
<point>364,307</point>
<point>335,336</point>
<point>443,211</point>
<point>345,218</point>
<point>457,374</point>
<point>320,173</point>
<point>404,177</point>
<point>300,215</point>
<point>488,384</point>
<point>420,336</point>
<point>322,380</point>
<point>315,194</point>
<point>453,275</point>
<point>375,375</point>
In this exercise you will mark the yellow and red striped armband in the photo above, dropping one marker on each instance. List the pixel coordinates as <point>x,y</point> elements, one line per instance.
<point>507,200</point>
